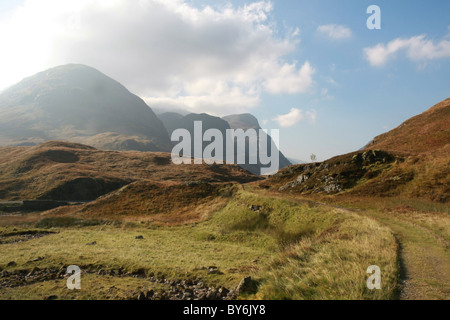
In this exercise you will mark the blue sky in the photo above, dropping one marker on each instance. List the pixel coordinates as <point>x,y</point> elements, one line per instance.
<point>366,101</point>
<point>310,68</point>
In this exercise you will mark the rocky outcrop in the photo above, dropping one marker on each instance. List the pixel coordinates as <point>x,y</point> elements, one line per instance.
<point>335,175</point>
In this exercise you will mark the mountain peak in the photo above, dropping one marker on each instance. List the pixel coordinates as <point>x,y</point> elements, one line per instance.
<point>78,103</point>
<point>242,121</point>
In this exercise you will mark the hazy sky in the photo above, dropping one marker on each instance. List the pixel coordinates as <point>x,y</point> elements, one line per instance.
<point>311,68</point>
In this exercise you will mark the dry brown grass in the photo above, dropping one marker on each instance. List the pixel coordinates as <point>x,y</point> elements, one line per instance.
<point>69,171</point>
<point>423,133</point>
<point>164,203</point>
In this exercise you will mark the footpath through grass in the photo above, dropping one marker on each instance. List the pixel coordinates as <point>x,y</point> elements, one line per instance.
<point>292,250</point>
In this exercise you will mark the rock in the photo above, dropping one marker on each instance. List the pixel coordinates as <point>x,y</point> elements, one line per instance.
<point>140,273</point>
<point>214,270</point>
<point>91,243</point>
<point>247,285</point>
<point>139,237</point>
<point>32,272</point>
<point>210,295</point>
<point>141,296</point>
<point>255,208</point>
<point>149,294</point>
<point>231,295</point>
<point>223,292</point>
<point>302,178</point>
<point>202,296</point>
<point>332,188</point>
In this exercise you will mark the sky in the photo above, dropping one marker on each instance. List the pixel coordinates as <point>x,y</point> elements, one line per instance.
<point>312,69</point>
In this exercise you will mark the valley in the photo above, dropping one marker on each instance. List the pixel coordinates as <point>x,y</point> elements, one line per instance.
<point>102,193</point>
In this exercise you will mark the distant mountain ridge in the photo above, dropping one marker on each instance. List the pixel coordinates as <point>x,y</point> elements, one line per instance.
<point>246,121</point>
<point>80,104</point>
<point>77,103</point>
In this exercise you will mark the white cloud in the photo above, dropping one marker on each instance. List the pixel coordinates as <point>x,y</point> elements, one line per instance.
<point>335,31</point>
<point>288,79</point>
<point>167,51</point>
<point>295,116</point>
<point>417,49</point>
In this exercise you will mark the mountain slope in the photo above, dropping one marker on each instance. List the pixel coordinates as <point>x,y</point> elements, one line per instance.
<point>69,171</point>
<point>426,132</point>
<point>247,121</point>
<point>412,160</point>
<point>242,121</point>
<point>170,120</point>
<point>80,104</point>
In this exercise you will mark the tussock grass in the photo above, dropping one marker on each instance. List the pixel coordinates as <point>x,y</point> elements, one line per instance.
<point>293,250</point>
<point>333,265</point>
<point>65,222</point>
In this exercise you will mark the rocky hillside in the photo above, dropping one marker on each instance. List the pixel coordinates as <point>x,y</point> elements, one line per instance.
<point>80,104</point>
<point>70,171</point>
<point>414,161</point>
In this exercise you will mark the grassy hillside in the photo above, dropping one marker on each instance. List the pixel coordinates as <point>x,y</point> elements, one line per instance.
<point>429,131</point>
<point>69,171</point>
<point>409,161</point>
<point>291,250</point>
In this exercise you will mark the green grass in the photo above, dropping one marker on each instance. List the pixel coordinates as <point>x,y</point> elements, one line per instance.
<point>293,250</point>
<point>93,287</point>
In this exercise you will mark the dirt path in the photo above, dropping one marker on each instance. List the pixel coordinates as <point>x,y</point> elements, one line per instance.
<point>424,257</point>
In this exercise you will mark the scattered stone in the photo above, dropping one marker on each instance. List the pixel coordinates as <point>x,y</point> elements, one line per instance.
<point>255,208</point>
<point>32,272</point>
<point>332,188</point>
<point>101,272</point>
<point>141,273</point>
<point>302,178</point>
<point>142,296</point>
<point>149,294</point>
<point>247,285</point>
<point>214,270</point>
<point>223,292</point>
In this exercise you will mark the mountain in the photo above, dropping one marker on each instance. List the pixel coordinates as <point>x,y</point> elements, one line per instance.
<point>426,132</point>
<point>296,161</point>
<point>78,103</point>
<point>242,121</point>
<point>170,120</point>
<point>247,121</point>
<point>174,121</point>
<point>74,172</point>
<point>409,161</point>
